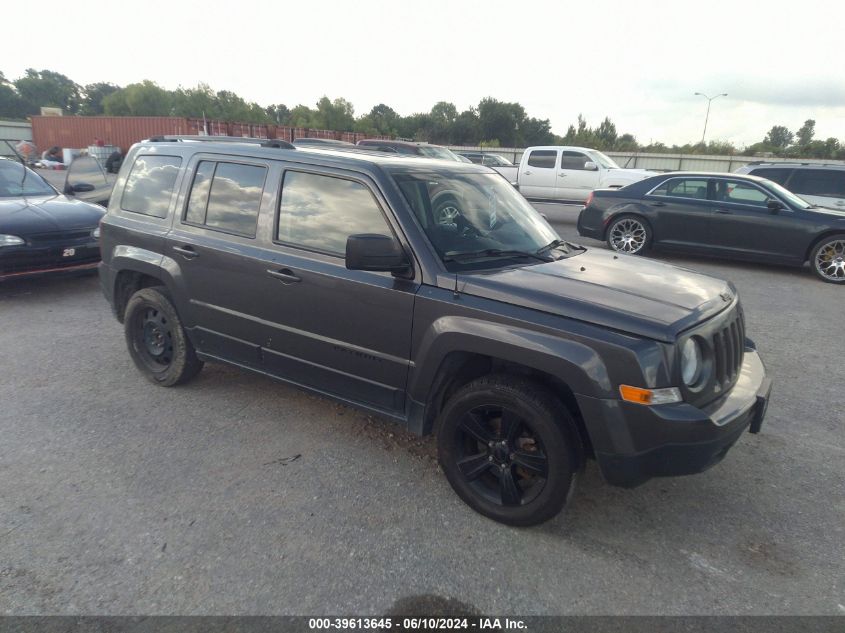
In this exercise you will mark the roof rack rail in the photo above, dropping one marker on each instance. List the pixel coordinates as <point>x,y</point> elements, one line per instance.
<point>263,142</point>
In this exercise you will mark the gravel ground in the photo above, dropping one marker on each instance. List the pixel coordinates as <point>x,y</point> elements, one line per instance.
<point>239,495</point>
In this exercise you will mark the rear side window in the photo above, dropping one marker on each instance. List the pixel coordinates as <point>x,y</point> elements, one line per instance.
<point>819,182</point>
<point>694,188</point>
<point>543,158</point>
<point>149,186</point>
<point>775,174</point>
<point>226,197</point>
<point>320,212</point>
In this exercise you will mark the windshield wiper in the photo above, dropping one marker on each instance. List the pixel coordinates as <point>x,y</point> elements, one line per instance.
<point>494,253</point>
<point>568,247</point>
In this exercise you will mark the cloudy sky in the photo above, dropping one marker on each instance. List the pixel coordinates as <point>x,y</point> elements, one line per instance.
<point>636,61</point>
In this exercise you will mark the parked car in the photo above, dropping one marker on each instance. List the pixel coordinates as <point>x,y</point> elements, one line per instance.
<point>567,173</point>
<point>321,142</point>
<point>729,215</point>
<point>486,158</point>
<point>524,353</point>
<point>42,231</point>
<point>819,184</point>
<point>410,148</point>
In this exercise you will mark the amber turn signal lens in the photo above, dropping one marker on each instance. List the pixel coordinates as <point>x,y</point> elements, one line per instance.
<point>639,395</point>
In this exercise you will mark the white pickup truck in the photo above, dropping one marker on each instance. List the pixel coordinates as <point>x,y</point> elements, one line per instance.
<point>567,173</point>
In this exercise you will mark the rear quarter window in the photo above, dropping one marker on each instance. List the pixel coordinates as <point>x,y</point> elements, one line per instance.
<point>776,174</point>
<point>819,182</point>
<point>149,186</point>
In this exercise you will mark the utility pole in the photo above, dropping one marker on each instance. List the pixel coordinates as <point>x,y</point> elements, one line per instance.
<point>707,116</point>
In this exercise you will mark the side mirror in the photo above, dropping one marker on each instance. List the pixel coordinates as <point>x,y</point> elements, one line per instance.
<point>82,187</point>
<point>775,206</point>
<point>591,166</point>
<point>373,252</point>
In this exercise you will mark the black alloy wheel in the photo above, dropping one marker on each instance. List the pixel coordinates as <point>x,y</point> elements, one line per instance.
<point>509,448</point>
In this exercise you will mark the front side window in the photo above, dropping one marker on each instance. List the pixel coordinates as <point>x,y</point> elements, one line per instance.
<point>741,193</point>
<point>572,160</point>
<point>473,218</point>
<point>543,158</point>
<point>17,180</point>
<point>693,188</point>
<point>226,197</point>
<point>320,212</point>
<point>150,184</point>
<point>819,182</point>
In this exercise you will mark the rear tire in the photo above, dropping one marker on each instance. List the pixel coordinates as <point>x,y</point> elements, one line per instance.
<point>156,339</point>
<point>509,449</point>
<point>827,259</point>
<point>629,234</point>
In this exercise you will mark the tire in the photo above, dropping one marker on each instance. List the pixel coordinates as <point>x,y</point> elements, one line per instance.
<point>827,259</point>
<point>509,449</point>
<point>447,210</point>
<point>629,234</point>
<point>156,339</point>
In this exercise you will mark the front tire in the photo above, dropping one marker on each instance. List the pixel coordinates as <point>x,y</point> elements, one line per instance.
<point>509,449</point>
<point>827,259</point>
<point>629,234</point>
<point>156,339</point>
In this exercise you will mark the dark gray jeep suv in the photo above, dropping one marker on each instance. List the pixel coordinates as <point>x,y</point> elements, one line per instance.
<point>527,355</point>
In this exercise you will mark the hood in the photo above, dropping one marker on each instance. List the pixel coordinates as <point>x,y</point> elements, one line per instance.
<point>829,212</point>
<point>632,174</point>
<point>44,214</point>
<point>623,292</point>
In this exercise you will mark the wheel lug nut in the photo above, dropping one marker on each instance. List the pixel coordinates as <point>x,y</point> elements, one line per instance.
<point>490,459</point>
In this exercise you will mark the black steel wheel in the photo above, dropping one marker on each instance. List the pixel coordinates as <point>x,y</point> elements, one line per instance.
<point>827,259</point>
<point>156,340</point>
<point>629,234</point>
<point>509,449</point>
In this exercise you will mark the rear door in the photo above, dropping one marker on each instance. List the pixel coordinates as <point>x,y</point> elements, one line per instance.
<point>574,182</point>
<point>681,213</point>
<point>343,332</point>
<point>538,178</point>
<point>822,187</point>
<point>213,248</point>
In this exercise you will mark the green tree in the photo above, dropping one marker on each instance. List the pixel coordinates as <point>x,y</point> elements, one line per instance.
<point>336,115</point>
<point>501,120</point>
<point>779,137</point>
<point>278,113</point>
<point>466,129</point>
<point>805,133</point>
<point>11,104</point>
<point>142,99</point>
<point>302,116</point>
<point>93,95</point>
<point>48,88</point>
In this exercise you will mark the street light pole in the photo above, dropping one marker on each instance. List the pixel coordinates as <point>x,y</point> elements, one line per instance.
<point>707,116</point>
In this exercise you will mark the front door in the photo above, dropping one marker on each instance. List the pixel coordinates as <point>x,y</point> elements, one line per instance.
<point>574,181</point>
<point>744,226</point>
<point>87,181</point>
<point>344,332</point>
<point>538,178</point>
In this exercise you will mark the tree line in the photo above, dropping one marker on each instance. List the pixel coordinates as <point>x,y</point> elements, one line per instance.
<point>492,123</point>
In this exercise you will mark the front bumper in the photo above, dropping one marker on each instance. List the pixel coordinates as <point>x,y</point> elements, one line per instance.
<point>61,256</point>
<point>633,443</point>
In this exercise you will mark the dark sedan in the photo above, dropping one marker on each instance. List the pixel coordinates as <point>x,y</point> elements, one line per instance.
<point>727,215</point>
<point>41,230</point>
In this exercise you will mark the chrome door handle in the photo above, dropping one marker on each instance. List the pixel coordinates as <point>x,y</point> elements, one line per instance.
<point>187,252</point>
<point>723,212</point>
<point>285,275</point>
<point>658,204</point>
<point>562,175</point>
<point>527,173</point>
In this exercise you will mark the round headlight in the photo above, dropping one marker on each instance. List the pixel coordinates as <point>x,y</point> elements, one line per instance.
<point>96,233</point>
<point>690,362</point>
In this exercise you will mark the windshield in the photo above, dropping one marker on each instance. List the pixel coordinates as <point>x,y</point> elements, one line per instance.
<point>17,181</point>
<point>787,195</point>
<point>432,151</point>
<point>473,219</point>
<point>605,161</point>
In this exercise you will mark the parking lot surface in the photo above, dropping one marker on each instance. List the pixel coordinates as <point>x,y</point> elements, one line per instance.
<point>236,494</point>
